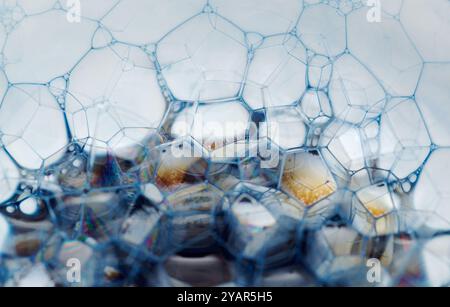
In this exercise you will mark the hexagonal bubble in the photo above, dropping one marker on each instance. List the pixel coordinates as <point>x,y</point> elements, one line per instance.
<point>431,47</point>
<point>397,67</point>
<point>281,13</point>
<point>38,131</point>
<point>373,176</point>
<point>140,228</point>
<point>179,163</point>
<point>322,29</point>
<point>277,72</point>
<point>185,217</point>
<point>115,111</point>
<point>285,127</point>
<point>127,148</point>
<point>432,193</point>
<point>374,210</point>
<point>404,139</point>
<point>355,93</point>
<point>343,147</point>
<point>188,214</point>
<point>432,97</point>
<point>315,105</point>
<point>31,53</point>
<point>307,178</point>
<point>330,250</point>
<point>259,168</point>
<point>319,71</point>
<point>203,59</point>
<point>265,167</point>
<point>261,226</point>
<point>213,125</point>
<point>377,200</point>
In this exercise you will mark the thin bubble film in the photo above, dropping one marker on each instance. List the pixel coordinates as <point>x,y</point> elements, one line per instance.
<point>273,143</point>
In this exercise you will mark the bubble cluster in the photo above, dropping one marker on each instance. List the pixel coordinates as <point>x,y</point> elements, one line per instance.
<point>224,142</point>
